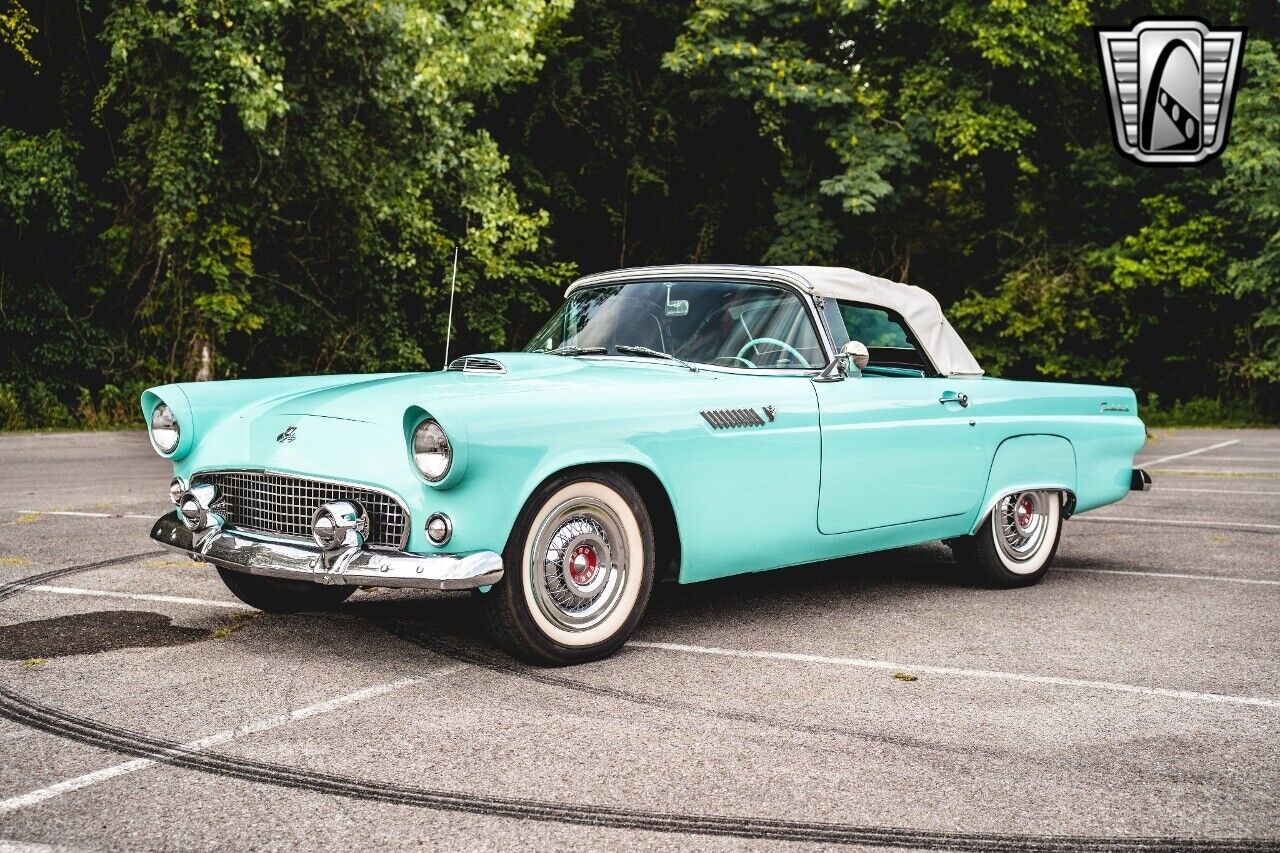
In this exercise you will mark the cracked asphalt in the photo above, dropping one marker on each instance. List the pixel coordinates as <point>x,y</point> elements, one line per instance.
<point>1130,701</point>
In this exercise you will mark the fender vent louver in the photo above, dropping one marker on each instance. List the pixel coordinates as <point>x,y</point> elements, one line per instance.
<point>477,364</point>
<point>733,418</point>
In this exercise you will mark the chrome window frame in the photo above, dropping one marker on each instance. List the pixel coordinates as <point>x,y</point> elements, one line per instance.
<point>288,539</point>
<point>719,274</point>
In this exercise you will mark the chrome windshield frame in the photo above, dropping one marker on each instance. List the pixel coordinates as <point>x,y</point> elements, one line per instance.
<point>716,274</point>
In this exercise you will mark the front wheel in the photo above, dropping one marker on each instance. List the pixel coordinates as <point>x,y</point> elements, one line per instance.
<point>1016,543</point>
<point>579,571</point>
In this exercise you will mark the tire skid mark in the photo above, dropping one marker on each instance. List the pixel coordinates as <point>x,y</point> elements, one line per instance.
<point>8,590</point>
<point>18,709</point>
<point>24,711</point>
<point>433,643</point>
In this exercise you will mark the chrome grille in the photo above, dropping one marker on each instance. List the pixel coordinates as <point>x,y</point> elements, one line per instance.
<point>282,505</point>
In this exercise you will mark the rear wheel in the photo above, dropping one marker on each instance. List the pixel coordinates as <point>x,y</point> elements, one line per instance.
<point>579,571</point>
<point>1016,543</point>
<point>278,595</point>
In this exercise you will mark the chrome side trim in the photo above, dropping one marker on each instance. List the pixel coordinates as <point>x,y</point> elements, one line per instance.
<point>351,566</point>
<point>732,418</point>
<point>1140,481</point>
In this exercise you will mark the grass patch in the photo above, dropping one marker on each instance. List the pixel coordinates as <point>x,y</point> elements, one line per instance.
<point>1205,412</point>
<point>232,624</point>
<point>14,561</point>
<point>31,663</point>
<point>906,676</point>
<point>28,517</point>
<point>172,564</point>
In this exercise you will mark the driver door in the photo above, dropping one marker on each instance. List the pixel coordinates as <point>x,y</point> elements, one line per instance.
<point>897,445</point>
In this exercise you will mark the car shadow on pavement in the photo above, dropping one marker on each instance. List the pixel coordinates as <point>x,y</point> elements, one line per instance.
<point>90,633</point>
<point>869,580</point>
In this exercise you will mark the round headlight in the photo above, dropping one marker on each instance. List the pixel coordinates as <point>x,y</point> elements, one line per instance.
<point>431,451</point>
<point>164,429</point>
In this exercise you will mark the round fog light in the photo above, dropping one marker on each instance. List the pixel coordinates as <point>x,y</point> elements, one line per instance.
<point>439,528</point>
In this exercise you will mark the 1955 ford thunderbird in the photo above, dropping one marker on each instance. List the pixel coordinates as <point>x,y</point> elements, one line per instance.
<point>684,421</point>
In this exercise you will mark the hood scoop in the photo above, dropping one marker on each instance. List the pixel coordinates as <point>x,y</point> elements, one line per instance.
<point>477,364</point>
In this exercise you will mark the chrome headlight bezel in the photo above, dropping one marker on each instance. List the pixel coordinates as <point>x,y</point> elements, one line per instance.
<point>164,429</point>
<point>431,450</point>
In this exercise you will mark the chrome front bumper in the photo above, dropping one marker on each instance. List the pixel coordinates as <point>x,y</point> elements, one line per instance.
<point>354,566</point>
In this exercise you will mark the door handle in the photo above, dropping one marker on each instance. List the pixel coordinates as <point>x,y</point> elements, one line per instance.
<point>953,397</point>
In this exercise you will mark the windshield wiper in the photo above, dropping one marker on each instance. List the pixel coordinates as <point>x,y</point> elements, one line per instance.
<point>574,351</point>
<point>634,349</point>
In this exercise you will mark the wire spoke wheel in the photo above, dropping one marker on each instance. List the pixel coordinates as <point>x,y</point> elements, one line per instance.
<point>1021,524</point>
<point>578,564</point>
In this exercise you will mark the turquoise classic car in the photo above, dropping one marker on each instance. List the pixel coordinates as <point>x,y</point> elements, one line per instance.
<point>690,422</point>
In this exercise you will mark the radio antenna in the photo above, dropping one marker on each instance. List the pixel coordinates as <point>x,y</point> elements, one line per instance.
<point>448,331</point>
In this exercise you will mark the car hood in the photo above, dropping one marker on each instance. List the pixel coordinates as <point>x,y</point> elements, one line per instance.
<point>384,398</point>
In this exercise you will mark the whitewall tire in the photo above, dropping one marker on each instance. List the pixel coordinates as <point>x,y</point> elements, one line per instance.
<point>1016,542</point>
<point>579,571</point>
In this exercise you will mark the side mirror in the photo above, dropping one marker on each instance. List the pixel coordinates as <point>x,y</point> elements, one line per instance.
<point>857,353</point>
<point>853,355</point>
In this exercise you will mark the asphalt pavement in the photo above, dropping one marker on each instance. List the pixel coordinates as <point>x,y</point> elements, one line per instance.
<point>1130,701</point>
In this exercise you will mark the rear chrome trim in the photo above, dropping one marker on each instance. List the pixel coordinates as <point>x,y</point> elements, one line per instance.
<point>1140,481</point>
<point>350,566</point>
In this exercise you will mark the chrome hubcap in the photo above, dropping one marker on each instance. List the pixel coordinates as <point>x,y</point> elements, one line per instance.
<point>1021,522</point>
<point>578,564</point>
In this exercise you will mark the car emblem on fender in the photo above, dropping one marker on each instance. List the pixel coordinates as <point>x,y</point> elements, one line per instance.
<point>1171,85</point>
<point>288,435</point>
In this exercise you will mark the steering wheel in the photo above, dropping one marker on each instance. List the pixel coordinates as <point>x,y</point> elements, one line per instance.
<point>755,342</point>
<point>748,362</point>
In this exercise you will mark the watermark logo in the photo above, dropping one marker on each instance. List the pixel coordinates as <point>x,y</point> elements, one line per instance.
<point>1171,84</point>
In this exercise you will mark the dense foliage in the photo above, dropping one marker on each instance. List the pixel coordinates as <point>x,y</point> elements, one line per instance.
<point>211,188</point>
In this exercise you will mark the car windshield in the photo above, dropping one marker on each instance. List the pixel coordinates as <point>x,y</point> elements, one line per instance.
<point>731,324</point>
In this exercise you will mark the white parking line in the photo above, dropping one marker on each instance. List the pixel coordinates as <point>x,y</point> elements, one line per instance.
<point>1242,494</point>
<point>1252,527</point>
<point>1181,575</point>
<point>262,725</point>
<point>138,596</point>
<point>962,673</point>
<point>1171,457</point>
<point>1271,459</point>
<point>81,514</point>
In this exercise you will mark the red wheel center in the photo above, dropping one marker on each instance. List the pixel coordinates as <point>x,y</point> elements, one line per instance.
<point>1025,512</point>
<point>582,564</point>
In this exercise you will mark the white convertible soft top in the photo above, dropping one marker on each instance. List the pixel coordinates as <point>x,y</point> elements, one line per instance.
<point>917,307</point>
